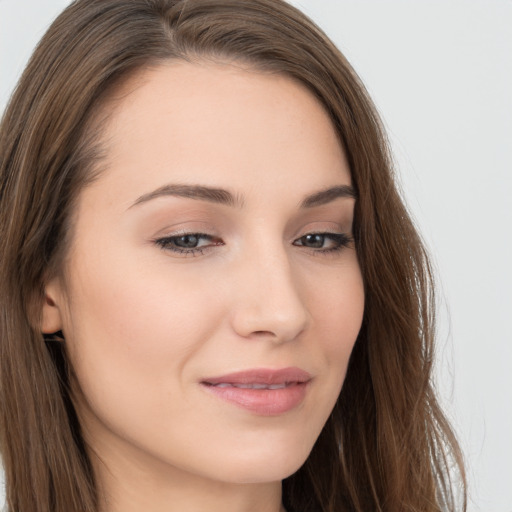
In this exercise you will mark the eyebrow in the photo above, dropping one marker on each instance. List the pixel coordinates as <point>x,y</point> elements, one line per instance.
<point>202,193</point>
<point>225,197</point>
<point>328,195</point>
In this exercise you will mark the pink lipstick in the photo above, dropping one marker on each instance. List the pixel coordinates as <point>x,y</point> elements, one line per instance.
<point>263,391</point>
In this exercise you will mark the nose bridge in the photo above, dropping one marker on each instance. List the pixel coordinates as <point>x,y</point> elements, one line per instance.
<point>269,300</point>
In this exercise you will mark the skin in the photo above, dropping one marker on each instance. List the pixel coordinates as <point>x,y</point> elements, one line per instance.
<point>144,325</point>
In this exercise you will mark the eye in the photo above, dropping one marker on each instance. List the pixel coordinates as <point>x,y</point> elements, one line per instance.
<point>324,242</point>
<point>188,243</point>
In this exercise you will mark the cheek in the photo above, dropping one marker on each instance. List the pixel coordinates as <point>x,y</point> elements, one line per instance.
<point>337,308</point>
<point>131,300</point>
<point>340,311</point>
<point>132,330</point>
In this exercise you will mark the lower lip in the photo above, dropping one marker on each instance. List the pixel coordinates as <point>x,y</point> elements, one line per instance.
<point>265,402</point>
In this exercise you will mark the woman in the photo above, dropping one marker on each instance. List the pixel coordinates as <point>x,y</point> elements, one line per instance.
<point>212,294</point>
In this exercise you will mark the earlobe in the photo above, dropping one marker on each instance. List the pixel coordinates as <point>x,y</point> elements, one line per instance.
<point>51,320</point>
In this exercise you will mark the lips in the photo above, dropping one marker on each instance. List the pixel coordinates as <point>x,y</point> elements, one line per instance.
<point>262,376</point>
<point>250,386</point>
<point>262,391</point>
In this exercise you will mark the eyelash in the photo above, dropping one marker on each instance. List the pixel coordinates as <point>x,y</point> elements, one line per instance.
<point>341,241</point>
<point>167,242</point>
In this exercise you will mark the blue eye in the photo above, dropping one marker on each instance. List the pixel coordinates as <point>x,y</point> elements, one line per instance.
<point>188,243</point>
<point>196,244</point>
<point>324,242</point>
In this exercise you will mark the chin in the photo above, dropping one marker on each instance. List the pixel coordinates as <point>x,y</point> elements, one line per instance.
<point>265,464</point>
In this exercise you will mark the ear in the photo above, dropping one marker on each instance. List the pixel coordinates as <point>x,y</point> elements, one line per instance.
<point>51,318</point>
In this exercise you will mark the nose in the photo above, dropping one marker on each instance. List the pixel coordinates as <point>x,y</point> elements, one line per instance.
<point>268,302</point>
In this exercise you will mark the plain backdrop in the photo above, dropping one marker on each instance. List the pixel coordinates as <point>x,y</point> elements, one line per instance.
<point>440,72</point>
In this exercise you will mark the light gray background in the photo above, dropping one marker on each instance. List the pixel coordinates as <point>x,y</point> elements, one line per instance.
<point>440,72</point>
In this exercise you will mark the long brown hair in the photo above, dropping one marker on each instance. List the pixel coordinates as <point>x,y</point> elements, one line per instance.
<point>387,445</point>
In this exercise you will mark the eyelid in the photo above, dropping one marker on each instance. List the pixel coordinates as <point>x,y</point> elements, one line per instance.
<point>325,222</point>
<point>186,228</point>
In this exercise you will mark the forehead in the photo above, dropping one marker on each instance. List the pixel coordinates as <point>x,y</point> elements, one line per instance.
<point>219,124</point>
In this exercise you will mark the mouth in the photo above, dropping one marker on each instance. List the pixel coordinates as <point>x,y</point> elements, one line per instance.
<point>261,377</point>
<point>250,386</point>
<point>264,392</point>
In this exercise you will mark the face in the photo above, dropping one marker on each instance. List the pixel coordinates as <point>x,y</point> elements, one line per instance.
<point>212,294</point>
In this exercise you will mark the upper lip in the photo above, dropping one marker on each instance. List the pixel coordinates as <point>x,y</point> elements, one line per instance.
<point>262,376</point>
